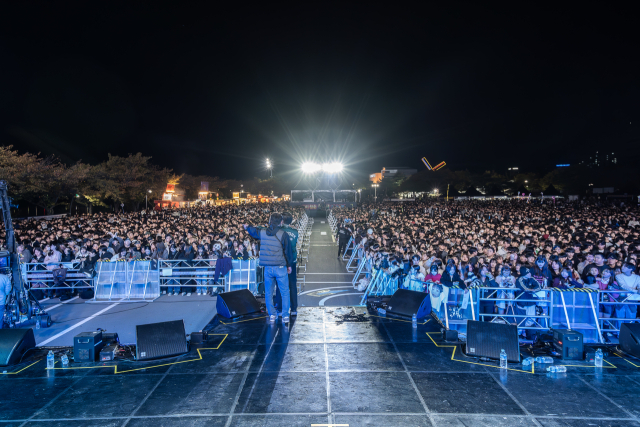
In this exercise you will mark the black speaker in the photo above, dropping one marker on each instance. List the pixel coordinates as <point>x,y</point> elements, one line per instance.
<point>407,303</point>
<point>14,343</point>
<point>486,339</point>
<point>630,338</point>
<point>87,346</point>
<point>157,340</point>
<point>237,303</point>
<point>569,344</point>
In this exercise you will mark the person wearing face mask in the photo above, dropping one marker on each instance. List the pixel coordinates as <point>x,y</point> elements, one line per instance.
<point>566,281</point>
<point>174,254</point>
<point>525,305</point>
<point>505,280</point>
<point>541,272</point>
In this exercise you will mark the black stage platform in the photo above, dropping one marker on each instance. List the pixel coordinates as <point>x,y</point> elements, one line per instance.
<point>332,365</point>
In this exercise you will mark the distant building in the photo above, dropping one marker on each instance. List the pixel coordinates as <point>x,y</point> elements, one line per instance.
<point>601,159</point>
<point>394,172</point>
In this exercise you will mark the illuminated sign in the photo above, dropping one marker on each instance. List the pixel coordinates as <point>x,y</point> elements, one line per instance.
<point>562,165</point>
<point>236,195</point>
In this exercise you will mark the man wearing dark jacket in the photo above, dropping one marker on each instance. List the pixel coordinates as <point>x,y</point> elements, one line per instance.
<point>343,234</point>
<point>275,257</point>
<point>287,219</point>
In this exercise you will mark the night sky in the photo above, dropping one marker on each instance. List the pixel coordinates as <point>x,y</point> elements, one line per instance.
<point>209,90</point>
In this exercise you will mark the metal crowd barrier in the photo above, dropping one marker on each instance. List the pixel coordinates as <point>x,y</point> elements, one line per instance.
<point>618,304</point>
<point>36,276</point>
<point>126,281</point>
<point>350,247</point>
<point>201,273</point>
<point>364,267</point>
<point>576,309</point>
<point>538,320</point>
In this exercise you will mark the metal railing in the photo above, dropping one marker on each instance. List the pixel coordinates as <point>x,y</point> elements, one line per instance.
<point>37,276</point>
<point>532,319</point>
<point>126,281</point>
<point>617,305</point>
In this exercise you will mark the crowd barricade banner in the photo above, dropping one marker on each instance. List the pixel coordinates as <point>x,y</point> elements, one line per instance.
<point>508,305</point>
<point>617,307</point>
<point>242,276</point>
<point>37,276</point>
<point>111,281</point>
<point>576,309</point>
<point>453,305</point>
<point>143,280</point>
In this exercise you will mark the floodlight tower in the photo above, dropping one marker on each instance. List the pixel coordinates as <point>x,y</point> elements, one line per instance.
<point>270,167</point>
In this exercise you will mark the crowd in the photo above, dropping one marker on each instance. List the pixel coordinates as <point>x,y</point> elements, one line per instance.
<point>199,233</point>
<point>524,244</point>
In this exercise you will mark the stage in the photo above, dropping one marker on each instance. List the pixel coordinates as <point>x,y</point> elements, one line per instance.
<point>332,365</point>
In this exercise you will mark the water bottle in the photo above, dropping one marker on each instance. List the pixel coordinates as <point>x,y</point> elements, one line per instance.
<point>50,360</point>
<point>382,311</point>
<point>503,359</point>
<point>65,361</point>
<point>599,358</point>
<point>557,369</point>
<point>414,320</point>
<point>544,359</point>
<point>38,321</point>
<point>527,362</point>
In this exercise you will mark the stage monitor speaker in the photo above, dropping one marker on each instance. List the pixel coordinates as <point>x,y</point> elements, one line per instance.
<point>630,338</point>
<point>407,303</point>
<point>486,339</point>
<point>157,340</point>
<point>237,303</point>
<point>14,343</point>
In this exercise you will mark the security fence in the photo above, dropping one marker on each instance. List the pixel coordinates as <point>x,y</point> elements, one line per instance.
<point>595,314</point>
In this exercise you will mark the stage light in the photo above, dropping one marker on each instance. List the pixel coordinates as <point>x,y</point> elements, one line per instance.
<point>332,167</point>
<point>310,167</point>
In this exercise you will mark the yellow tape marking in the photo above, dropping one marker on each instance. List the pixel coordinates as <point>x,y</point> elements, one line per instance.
<point>115,367</point>
<point>17,372</point>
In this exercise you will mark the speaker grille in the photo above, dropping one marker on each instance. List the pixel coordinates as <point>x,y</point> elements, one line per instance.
<point>156,340</point>
<point>486,339</point>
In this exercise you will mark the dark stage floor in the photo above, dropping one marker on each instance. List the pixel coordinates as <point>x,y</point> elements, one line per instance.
<point>333,365</point>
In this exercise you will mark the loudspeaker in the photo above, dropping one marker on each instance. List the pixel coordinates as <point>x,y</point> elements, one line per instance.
<point>569,344</point>
<point>164,339</point>
<point>237,303</point>
<point>630,338</point>
<point>87,346</point>
<point>14,343</point>
<point>486,339</point>
<point>407,303</point>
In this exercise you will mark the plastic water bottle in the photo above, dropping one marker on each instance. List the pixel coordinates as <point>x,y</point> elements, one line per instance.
<point>65,361</point>
<point>38,321</point>
<point>503,359</point>
<point>557,369</point>
<point>544,359</point>
<point>599,358</point>
<point>527,362</point>
<point>50,360</point>
<point>382,311</point>
<point>414,320</point>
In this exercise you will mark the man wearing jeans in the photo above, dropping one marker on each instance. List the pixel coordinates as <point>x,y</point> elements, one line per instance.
<point>287,219</point>
<point>275,257</point>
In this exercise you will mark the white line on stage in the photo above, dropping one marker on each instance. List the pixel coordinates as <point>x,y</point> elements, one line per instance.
<point>322,289</point>
<point>58,305</point>
<point>71,328</point>
<point>321,302</point>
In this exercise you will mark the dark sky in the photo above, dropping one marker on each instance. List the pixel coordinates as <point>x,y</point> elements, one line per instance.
<point>209,90</point>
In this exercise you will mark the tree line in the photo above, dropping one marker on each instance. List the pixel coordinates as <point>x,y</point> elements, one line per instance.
<point>55,187</point>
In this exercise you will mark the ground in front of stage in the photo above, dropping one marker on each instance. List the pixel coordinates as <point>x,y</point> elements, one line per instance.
<point>332,365</point>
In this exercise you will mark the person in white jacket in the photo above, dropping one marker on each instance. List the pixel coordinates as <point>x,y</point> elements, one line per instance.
<point>629,281</point>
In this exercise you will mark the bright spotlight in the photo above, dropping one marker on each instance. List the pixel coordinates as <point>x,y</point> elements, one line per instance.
<point>332,167</point>
<point>310,167</point>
